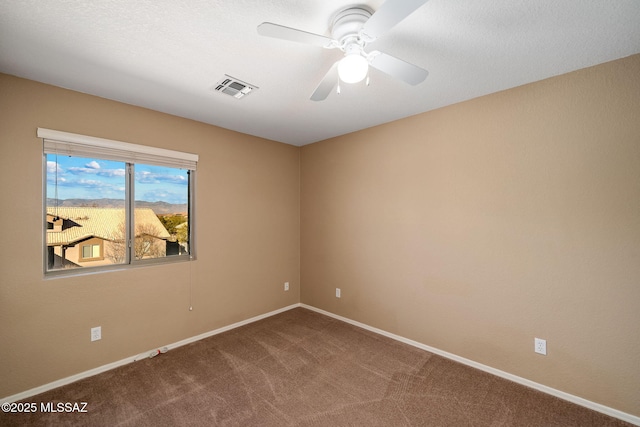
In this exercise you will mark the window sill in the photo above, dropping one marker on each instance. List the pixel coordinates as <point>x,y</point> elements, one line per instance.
<point>87,271</point>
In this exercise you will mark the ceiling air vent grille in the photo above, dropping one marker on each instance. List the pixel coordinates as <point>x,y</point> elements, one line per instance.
<point>234,87</point>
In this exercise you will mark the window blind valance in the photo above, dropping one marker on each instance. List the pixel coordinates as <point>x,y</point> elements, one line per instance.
<point>72,144</point>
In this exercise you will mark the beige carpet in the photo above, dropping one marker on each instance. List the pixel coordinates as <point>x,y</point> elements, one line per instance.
<point>300,368</point>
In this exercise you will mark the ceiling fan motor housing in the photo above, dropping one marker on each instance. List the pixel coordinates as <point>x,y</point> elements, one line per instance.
<point>348,23</point>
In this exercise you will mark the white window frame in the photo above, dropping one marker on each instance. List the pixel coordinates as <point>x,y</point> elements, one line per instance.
<point>71,144</point>
<point>92,247</point>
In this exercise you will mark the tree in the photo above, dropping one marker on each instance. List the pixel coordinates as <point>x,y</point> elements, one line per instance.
<point>172,221</point>
<point>182,233</point>
<point>116,250</point>
<point>146,243</point>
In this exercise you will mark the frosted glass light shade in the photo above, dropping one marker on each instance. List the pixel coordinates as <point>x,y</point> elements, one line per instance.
<point>353,68</point>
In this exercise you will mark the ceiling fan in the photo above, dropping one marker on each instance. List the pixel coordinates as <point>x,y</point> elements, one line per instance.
<point>353,28</point>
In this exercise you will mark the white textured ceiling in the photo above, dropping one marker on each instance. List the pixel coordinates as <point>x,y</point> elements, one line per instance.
<point>168,54</point>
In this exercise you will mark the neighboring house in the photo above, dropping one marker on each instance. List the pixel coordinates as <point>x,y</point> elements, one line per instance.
<point>87,236</point>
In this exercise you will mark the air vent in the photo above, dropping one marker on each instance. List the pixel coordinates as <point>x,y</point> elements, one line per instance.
<point>234,87</point>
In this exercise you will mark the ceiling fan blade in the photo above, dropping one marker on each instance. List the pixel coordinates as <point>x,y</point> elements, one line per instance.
<point>398,68</point>
<point>327,84</point>
<point>387,16</point>
<point>281,32</point>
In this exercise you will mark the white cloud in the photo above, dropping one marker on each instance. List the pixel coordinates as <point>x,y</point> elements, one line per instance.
<point>147,177</point>
<point>90,169</point>
<point>92,183</point>
<point>112,172</point>
<point>52,167</point>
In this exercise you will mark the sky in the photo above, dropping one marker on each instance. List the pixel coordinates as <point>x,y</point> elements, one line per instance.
<point>84,178</point>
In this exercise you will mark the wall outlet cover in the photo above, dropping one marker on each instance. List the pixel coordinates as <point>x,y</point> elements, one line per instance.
<point>540,346</point>
<point>96,333</point>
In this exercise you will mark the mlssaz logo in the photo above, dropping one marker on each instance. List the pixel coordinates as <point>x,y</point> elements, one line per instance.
<point>63,407</point>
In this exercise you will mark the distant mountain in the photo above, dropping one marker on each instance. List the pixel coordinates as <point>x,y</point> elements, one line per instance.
<point>159,208</point>
<point>163,207</point>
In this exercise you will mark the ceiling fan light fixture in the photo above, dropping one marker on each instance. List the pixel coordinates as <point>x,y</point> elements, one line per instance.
<point>353,68</point>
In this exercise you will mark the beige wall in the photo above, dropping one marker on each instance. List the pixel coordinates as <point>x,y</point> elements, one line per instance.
<point>247,207</point>
<point>479,226</point>
<point>473,229</point>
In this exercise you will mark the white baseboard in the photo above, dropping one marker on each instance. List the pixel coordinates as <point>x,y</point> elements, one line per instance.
<point>557,393</point>
<point>528,383</point>
<point>108,367</point>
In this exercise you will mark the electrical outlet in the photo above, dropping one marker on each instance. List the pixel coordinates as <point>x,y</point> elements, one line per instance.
<point>286,286</point>
<point>96,333</point>
<point>540,346</point>
<point>337,292</point>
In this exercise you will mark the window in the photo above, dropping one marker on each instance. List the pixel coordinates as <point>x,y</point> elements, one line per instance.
<point>109,204</point>
<point>90,251</point>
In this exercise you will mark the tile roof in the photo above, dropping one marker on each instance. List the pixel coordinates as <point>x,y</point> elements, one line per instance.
<point>99,222</point>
